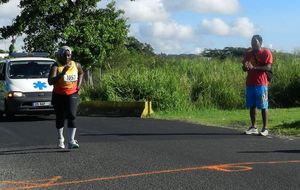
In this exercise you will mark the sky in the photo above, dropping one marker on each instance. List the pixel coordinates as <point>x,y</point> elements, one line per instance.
<point>190,26</point>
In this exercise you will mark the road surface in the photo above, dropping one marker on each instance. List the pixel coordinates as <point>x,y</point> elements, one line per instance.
<point>133,153</point>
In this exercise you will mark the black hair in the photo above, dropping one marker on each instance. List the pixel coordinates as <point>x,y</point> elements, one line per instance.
<point>258,37</point>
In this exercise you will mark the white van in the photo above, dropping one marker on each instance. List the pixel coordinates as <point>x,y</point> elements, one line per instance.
<point>24,88</point>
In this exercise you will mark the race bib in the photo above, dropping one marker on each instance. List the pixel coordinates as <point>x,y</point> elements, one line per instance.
<point>70,78</point>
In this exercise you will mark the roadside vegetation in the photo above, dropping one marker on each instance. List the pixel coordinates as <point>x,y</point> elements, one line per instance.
<point>175,83</point>
<point>199,89</point>
<point>282,121</point>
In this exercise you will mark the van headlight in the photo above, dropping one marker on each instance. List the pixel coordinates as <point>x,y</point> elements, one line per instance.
<point>15,94</point>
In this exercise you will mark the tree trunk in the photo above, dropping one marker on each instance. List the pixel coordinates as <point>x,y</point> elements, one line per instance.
<point>89,77</point>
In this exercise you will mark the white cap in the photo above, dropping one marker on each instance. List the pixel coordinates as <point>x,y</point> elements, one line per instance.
<point>62,50</point>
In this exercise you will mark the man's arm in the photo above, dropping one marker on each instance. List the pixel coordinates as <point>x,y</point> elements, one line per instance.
<point>263,68</point>
<point>266,61</point>
<point>246,66</point>
<point>246,60</point>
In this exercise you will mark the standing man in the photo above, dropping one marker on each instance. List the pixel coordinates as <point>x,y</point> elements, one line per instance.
<point>66,76</point>
<point>257,61</point>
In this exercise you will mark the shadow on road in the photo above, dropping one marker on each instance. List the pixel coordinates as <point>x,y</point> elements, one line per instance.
<point>279,151</point>
<point>42,150</point>
<point>26,118</point>
<point>161,134</point>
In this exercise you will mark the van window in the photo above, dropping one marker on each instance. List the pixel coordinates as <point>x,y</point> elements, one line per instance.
<point>29,69</point>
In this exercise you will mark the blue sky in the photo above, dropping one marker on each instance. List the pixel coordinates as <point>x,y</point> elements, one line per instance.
<point>190,26</point>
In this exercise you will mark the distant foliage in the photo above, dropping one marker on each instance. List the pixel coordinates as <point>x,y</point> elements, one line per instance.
<point>227,52</point>
<point>138,82</point>
<point>189,83</point>
<point>135,46</point>
<point>171,83</point>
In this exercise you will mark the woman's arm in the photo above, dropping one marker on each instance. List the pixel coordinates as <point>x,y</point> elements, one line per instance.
<point>53,76</point>
<point>80,75</point>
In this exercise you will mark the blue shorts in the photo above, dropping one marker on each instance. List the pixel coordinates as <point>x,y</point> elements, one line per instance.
<point>257,96</point>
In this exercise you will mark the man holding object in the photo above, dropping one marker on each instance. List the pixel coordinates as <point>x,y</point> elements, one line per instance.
<point>257,61</point>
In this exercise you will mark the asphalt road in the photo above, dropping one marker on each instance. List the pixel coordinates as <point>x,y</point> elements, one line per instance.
<point>138,154</point>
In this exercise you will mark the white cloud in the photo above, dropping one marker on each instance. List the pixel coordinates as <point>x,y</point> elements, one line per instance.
<point>198,50</point>
<point>216,26</point>
<point>242,27</point>
<point>205,6</point>
<point>166,46</point>
<point>8,11</point>
<point>171,30</point>
<point>144,10</point>
<point>151,21</point>
<point>167,37</point>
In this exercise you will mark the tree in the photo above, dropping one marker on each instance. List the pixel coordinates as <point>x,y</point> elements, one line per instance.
<point>97,35</point>
<point>134,45</point>
<point>224,53</point>
<point>92,32</point>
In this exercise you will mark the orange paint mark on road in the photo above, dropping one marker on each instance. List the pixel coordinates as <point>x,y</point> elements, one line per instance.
<point>43,183</point>
<point>25,184</point>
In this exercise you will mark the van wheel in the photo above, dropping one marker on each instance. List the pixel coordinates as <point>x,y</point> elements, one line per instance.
<point>8,114</point>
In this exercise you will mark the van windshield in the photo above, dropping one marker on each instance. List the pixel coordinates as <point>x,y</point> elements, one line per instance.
<point>29,69</point>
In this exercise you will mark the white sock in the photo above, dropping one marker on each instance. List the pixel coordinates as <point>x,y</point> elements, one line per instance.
<point>71,134</point>
<point>60,133</point>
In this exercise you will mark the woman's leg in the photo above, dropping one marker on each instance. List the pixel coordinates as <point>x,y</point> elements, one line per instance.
<point>59,107</point>
<point>72,111</point>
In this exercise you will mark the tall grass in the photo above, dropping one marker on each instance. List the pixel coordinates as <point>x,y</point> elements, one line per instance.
<point>285,88</point>
<point>190,83</point>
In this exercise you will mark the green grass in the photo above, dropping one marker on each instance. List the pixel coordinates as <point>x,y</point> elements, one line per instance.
<point>283,122</point>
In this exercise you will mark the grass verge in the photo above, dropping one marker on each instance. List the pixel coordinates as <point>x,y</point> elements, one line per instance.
<point>282,122</point>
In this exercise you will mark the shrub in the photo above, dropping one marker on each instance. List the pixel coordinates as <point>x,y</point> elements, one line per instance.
<point>190,83</point>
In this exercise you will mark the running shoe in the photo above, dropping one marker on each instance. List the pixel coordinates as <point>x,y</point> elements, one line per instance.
<point>61,143</point>
<point>73,145</point>
<point>264,132</point>
<point>252,131</point>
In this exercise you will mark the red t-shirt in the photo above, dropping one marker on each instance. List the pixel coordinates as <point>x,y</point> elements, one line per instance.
<point>264,57</point>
